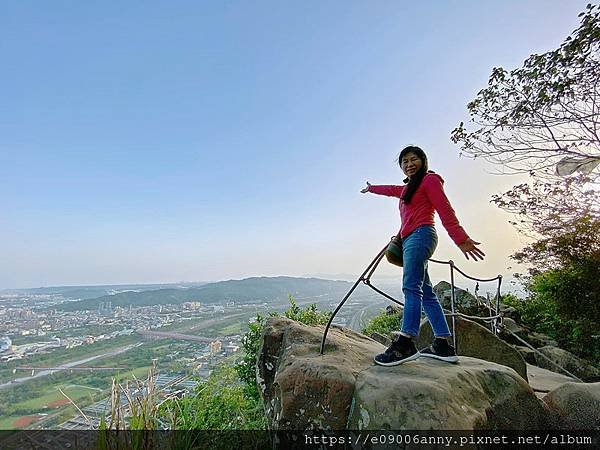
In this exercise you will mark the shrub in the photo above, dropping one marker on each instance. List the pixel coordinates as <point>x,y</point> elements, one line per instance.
<point>563,303</point>
<point>229,398</point>
<point>573,293</point>
<point>536,312</point>
<point>218,403</point>
<point>308,316</point>
<point>246,369</point>
<point>383,323</point>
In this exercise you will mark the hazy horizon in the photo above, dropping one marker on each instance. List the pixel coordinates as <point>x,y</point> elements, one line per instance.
<point>148,144</point>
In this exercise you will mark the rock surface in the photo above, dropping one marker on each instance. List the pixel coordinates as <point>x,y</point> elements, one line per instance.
<point>576,406</point>
<point>464,301</point>
<point>344,389</point>
<point>512,328</point>
<point>302,389</point>
<point>539,339</point>
<point>510,312</point>
<point>527,353</point>
<point>567,360</point>
<point>478,342</point>
<point>543,381</point>
<point>434,395</point>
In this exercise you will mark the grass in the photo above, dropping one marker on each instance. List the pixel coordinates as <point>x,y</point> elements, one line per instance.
<point>185,325</point>
<point>139,372</point>
<point>236,324</point>
<point>41,402</point>
<point>234,328</point>
<point>6,423</point>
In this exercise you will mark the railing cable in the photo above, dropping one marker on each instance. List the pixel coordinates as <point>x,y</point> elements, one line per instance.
<point>495,315</point>
<point>366,279</point>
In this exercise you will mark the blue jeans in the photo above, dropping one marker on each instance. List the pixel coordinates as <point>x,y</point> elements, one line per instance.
<point>417,248</point>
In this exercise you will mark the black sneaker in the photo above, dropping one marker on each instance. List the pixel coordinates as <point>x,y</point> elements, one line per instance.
<point>440,349</point>
<point>402,349</point>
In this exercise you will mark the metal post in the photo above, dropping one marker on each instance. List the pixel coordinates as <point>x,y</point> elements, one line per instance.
<point>498,306</point>
<point>375,262</point>
<point>452,299</point>
<point>491,311</point>
<point>496,320</point>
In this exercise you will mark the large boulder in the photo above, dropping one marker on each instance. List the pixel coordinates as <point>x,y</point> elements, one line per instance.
<point>476,341</point>
<point>433,395</point>
<point>510,312</point>
<point>539,339</point>
<point>577,366</point>
<point>382,339</point>
<point>344,389</point>
<point>576,406</point>
<point>464,301</point>
<point>527,353</point>
<point>543,381</point>
<point>512,330</point>
<point>302,389</point>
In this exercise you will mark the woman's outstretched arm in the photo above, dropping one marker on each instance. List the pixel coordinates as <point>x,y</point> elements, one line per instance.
<point>435,192</point>
<point>384,189</point>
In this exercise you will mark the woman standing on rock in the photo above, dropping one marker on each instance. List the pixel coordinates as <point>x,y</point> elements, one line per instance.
<point>422,194</point>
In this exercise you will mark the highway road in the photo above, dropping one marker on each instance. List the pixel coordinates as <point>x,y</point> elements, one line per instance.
<point>359,318</point>
<point>66,366</point>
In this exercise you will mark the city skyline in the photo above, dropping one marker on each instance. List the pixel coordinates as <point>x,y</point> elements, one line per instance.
<point>144,144</point>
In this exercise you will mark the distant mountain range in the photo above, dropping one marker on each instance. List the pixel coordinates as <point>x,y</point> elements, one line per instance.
<point>257,289</point>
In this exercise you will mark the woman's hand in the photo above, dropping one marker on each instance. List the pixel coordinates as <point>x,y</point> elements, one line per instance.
<point>468,248</point>
<point>366,189</point>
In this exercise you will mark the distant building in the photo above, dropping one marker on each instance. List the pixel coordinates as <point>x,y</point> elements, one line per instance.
<point>29,325</point>
<point>231,348</point>
<point>203,371</point>
<point>105,308</point>
<point>215,347</point>
<point>5,344</point>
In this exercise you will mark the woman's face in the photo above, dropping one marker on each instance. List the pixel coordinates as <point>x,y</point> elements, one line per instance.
<point>410,164</point>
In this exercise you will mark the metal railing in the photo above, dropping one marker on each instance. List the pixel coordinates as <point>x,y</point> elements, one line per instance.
<point>495,318</point>
<point>495,315</point>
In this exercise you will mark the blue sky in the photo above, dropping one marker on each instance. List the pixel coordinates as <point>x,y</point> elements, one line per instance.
<point>169,141</point>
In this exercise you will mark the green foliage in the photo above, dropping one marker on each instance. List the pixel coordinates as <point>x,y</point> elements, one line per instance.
<point>537,312</point>
<point>564,287</point>
<point>251,341</point>
<point>529,117</point>
<point>229,398</point>
<point>308,316</point>
<point>219,403</point>
<point>246,369</point>
<point>563,303</point>
<point>573,291</point>
<point>383,323</point>
<point>574,242</point>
